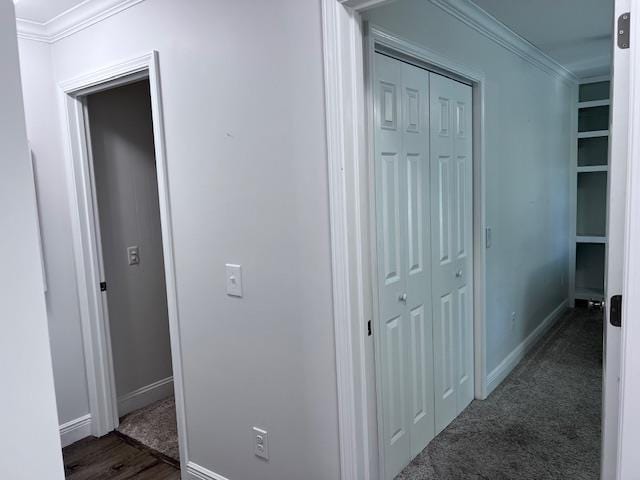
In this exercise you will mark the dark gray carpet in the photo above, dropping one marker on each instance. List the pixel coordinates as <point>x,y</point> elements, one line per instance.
<point>154,426</point>
<point>541,423</point>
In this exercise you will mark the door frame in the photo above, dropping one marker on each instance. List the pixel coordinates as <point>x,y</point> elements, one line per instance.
<point>348,152</point>
<point>403,50</point>
<point>87,246</point>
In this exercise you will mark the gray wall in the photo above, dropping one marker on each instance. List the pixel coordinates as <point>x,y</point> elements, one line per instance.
<point>127,190</point>
<point>242,90</point>
<point>30,445</point>
<point>528,132</point>
<point>45,138</point>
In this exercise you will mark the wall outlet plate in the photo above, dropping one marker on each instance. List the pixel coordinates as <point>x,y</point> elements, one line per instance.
<point>260,443</point>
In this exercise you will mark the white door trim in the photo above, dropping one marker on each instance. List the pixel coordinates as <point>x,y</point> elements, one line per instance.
<point>349,184</point>
<point>86,237</point>
<point>629,414</point>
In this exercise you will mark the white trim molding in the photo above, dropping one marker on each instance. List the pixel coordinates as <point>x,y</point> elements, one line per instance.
<point>77,18</point>
<point>86,239</point>
<point>346,149</point>
<point>74,430</point>
<point>510,362</point>
<point>487,25</point>
<point>196,472</point>
<point>145,395</point>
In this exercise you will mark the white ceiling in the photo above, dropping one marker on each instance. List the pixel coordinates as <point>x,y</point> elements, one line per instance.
<point>575,33</point>
<point>41,11</point>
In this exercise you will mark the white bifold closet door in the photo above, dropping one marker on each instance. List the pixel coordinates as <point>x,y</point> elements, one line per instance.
<point>420,214</point>
<point>405,361</point>
<point>452,247</point>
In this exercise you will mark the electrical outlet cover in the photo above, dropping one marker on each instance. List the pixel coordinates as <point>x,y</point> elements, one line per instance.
<point>260,443</point>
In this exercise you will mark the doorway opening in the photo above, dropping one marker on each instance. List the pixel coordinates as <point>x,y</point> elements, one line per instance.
<point>124,265</point>
<point>120,129</point>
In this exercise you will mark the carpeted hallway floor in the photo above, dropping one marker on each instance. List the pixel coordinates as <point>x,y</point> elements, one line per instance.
<point>541,423</point>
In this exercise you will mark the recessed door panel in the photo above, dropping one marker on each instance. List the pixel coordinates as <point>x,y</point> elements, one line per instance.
<point>465,355</point>
<point>390,206</point>
<point>388,106</point>
<point>395,370</point>
<point>461,207</point>
<point>413,110</point>
<point>415,214</point>
<point>421,360</point>
<point>444,208</point>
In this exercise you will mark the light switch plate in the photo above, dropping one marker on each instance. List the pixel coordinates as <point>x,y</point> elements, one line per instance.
<point>234,279</point>
<point>133,254</point>
<point>260,443</point>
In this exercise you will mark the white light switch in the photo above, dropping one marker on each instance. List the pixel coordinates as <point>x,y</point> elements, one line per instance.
<point>133,253</point>
<point>234,279</point>
<point>260,444</point>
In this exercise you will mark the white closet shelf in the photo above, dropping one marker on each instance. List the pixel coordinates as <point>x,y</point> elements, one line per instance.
<point>590,239</point>
<point>594,103</point>
<point>593,168</point>
<point>593,134</point>
<point>583,293</point>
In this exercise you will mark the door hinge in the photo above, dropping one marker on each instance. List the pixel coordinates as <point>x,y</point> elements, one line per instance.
<point>369,328</point>
<point>103,286</point>
<point>615,312</point>
<point>623,34</point>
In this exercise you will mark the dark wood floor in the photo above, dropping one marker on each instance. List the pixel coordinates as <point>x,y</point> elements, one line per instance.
<point>115,457</point>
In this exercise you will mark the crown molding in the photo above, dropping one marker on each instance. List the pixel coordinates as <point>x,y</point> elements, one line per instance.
<point>73,20</point>
<point>487,25</point>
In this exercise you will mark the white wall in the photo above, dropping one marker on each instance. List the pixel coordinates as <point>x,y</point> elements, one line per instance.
<point>243,101</point>
<point>45,138</point>
<point>28,400</point>
<point>527,125</point>
<point>127,191</point>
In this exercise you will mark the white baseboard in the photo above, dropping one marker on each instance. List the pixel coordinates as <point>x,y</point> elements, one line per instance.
<point>75,430</point>
<point>144,396</point>
<point>498,374</point>
<point>196,472</point>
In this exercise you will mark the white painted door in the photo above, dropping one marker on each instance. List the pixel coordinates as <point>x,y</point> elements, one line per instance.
<point>404,356</point>
<point>451,237</point>
<point>616,199</point>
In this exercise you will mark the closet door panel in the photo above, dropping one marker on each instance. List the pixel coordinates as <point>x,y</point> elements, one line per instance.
<point>451,224</point>
<point>415,87</point>
<point>393,323</point>
<point>463,148</point>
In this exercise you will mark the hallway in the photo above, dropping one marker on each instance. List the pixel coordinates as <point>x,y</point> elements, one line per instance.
<point>542,422</point>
